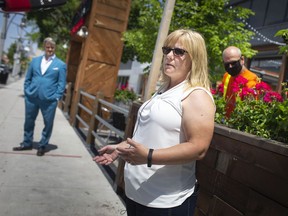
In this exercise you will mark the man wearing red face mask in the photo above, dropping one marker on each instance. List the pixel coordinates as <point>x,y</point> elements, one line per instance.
<point>234,66</point>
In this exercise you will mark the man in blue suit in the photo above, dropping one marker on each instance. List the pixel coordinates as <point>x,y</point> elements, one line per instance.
<point>44,85</point>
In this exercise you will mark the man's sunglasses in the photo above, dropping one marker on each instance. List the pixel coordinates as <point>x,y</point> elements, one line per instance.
<point>176,51</point>
<point>232,63</point>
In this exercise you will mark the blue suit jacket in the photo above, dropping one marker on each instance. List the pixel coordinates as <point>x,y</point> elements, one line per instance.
<point>47,87</point>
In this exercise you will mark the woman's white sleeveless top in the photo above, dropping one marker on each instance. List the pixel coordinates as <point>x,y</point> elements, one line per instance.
<point>159,126</point>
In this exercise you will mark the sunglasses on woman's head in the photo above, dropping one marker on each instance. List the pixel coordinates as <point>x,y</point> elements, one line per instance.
<point>176,51</point>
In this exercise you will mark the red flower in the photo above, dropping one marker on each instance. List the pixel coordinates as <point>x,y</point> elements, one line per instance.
<point>262,86</point>
<point>123,87</point>
<point>239,83</point>
<point>271,96</point>
<point>221,88</point>
<point>213,91</point>
<point>247,92</point>
<point>262,91</point>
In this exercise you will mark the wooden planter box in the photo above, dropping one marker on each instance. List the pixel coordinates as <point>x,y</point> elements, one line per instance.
<point>243,175</point>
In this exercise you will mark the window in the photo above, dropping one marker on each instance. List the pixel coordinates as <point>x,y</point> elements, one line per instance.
<point>267,69</point>
<point>269,65</point>
<point>122,81</point>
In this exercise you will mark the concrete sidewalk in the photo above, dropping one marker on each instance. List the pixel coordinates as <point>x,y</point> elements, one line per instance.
<point>64,182</point>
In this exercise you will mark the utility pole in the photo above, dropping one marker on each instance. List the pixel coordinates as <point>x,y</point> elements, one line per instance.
<point>157,55</point>
<point>17,54</point>
<point>3,34</point>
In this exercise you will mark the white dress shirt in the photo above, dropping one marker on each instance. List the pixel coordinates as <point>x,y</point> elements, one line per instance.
<point>46,63</point>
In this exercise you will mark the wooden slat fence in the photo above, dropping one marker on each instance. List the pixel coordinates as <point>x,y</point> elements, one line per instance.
<point>240,175</point>
<point>100,115</point>
<point>98,121</point>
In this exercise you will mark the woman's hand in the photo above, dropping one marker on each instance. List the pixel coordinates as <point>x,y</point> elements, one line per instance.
<point>107,155</point>
<point>134,153</point>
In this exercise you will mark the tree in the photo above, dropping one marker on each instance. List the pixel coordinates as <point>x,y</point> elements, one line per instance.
<point>55,23</point>
<point>220,25</point>
<point>11,51</point>
<point>141,36</point>
<point>128,51</point>
<point>284,34</point>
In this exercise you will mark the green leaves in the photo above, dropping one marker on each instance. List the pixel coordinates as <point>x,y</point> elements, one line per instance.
<point>267,120</point>
<point>284,34</point>
<point>55,23</point>
<point>220,25</point>
<point>125,95</point>
<point>140,38</point>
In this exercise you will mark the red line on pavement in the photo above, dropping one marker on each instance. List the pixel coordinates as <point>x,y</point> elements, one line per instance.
<point>46,154</point>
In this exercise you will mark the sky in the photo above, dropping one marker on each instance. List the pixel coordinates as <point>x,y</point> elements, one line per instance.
<point>14,31</point>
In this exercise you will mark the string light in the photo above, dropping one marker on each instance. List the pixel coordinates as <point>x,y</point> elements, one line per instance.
<point>259,36</point>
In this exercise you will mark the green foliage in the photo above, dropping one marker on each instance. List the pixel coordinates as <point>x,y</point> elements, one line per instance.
<point>220,26</point>
<point>261,119</point>
<point>54,23</point>
<point>267,120</point>
<point>128,51</point>
<point>284,34</point>
<point>125,95</point>
<point>141,36</point>
<point>220,105</point>
<point>11,51</point>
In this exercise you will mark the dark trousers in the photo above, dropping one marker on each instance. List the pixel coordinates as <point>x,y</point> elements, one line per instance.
<point>187,208</point>
<point>32,108</point>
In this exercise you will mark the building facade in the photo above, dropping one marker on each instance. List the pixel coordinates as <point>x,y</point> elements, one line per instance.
<point>270,17</point>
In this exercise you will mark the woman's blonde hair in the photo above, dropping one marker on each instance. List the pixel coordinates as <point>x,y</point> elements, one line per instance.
<point>194,44</point>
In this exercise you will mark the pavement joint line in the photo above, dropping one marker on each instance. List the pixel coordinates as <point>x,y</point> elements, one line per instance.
<point>51,155</point>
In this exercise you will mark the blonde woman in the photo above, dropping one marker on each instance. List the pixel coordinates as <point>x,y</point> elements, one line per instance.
<point>173,130</point>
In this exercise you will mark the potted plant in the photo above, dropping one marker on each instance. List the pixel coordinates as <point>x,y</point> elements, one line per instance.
<point>124,96</point>
<point>244,170</point>
<point>259,111</point>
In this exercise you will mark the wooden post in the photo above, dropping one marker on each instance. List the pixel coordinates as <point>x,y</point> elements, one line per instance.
<point>73,117</point>
<point>157,56</point>
<point>283,71</point>
<point>93,124</point>
<point>119,180</point>
<point>68,97</point>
